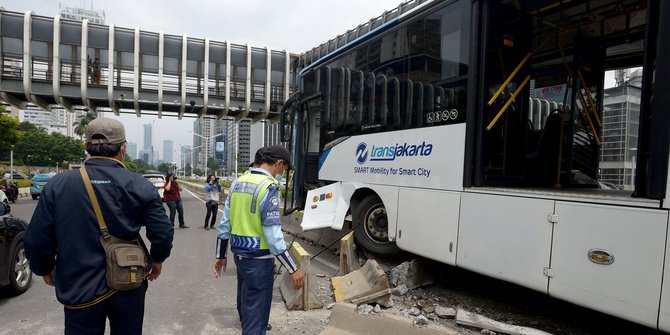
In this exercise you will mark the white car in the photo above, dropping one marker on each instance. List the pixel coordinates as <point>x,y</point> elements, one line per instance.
<point>158,180</point>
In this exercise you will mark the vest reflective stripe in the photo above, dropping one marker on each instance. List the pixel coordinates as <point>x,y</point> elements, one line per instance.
<point>254,198</point>
<point>245,220</point>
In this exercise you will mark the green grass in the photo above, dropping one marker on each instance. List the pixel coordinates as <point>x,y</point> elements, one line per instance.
<point>22,182</point>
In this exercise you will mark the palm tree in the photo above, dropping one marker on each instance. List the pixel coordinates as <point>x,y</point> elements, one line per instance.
<point>84,120</point>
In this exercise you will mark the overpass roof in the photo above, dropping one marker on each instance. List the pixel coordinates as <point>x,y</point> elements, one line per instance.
<point>53,61</point>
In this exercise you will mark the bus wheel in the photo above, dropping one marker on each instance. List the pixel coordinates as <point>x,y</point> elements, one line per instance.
<point>371,226</point>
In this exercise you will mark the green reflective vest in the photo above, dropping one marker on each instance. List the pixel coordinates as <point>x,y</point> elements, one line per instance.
<point>245,216</point>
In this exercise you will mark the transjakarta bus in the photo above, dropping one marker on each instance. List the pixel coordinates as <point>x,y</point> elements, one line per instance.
<point>471,132</point>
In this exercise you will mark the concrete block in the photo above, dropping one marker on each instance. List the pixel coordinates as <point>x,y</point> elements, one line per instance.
<point>304,298</point>
<point>348,257</point>
<point>368,284</point>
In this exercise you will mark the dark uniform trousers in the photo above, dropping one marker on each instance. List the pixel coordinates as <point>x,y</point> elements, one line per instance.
<point>125,310</point>
<point>254,293</point>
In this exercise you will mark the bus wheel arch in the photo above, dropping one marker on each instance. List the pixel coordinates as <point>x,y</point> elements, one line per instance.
<point>371,223</point>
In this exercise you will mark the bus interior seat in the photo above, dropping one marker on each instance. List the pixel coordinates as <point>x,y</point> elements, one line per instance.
<point>541,162</point>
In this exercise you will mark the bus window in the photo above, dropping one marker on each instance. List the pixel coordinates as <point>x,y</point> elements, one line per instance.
<point>438,67</point>
<point>393,120</point>
<point>355,101</point>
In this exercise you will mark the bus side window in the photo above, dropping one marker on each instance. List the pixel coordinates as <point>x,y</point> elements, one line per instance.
<point>418,104</point>
<point>368,111</point>
<point>381,93</point>
<point>393,120</point>
<point>355,101</point>
<point>406,98</point>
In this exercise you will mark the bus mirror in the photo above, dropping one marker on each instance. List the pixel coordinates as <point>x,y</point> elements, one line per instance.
<point>286,117</point>
<point>285,126</point>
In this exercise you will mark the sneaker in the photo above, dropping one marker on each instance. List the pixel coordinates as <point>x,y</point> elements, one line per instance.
<point>183,226</point>
<point>269,327</point>
<point>206,228</point>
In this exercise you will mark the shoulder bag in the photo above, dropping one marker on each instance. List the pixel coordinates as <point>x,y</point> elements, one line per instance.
<point>126,260</point>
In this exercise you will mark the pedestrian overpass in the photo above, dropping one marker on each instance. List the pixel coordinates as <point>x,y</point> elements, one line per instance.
<point>53,61</point>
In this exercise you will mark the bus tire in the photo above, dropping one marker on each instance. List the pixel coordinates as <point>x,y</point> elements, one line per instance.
<point>371,226</point>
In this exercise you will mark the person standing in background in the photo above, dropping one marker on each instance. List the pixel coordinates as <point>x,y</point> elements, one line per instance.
<point>212,196</point>
<point>173,199</point>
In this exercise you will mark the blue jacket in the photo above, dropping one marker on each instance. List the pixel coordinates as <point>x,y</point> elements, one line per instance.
<point>64,231</point>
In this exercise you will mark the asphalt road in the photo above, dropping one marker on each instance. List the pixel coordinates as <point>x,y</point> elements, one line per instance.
<point>186,299</point>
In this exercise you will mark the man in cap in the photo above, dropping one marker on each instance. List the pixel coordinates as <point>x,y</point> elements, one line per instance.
<point>63,239</point>
<point>251,220</point>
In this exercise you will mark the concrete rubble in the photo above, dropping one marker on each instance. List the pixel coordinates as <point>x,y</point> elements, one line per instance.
<point>470,319</point>
<point>411,275</point>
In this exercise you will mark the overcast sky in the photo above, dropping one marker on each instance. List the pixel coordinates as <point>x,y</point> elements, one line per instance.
<point>292,25</point>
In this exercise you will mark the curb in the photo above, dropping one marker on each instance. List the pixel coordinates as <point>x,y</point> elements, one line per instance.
<point>344,320</point>
<point>24,192</point>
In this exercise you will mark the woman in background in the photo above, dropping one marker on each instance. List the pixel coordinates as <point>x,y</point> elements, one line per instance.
<point>212,193</point>
<point>173,199</point>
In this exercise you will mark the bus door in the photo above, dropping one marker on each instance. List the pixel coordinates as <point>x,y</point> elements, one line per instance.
<point>301,120</point>
<point>503,94</point>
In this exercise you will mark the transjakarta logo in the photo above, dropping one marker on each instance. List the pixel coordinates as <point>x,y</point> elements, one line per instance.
<point>389,153</point>
<point>362,153</point>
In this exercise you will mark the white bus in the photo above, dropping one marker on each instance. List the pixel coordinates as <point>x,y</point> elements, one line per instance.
<point>427,131</point>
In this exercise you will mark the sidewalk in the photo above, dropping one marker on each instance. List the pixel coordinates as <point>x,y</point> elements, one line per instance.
<point>24,191</point>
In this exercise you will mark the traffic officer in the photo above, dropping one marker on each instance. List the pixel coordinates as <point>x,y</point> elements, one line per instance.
<point>251,219</point>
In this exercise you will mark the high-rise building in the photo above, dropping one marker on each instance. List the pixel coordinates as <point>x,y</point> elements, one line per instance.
<point>239,144</point>
<point>52,121</point>
<point>146,156</point>
<point>57,120</point>
<point>186,157</point>
<point>220,143</point>
<point>621,115</point>
<point>168,147</point>
<point>147,152</point>
<point>210,135</point>
<point>264,133</point>
<point>131,150</point>
<point>148,137</point>
<point>201,130</point>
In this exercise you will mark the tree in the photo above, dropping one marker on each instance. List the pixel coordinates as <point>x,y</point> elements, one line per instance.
<point>84,120</point>
<point>10,134</point>
<point>164,168</point>
<point>130,165</point>
<point>47,149</point>
<point>213,165</point>
<point>142,166</point>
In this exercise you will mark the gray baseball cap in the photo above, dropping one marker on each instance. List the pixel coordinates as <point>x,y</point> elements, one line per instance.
<point>105,131</point>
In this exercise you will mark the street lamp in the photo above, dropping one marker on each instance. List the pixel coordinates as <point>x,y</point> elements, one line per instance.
<point>206,138</point>
<point>29,164</point>
<point>191,152</point>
